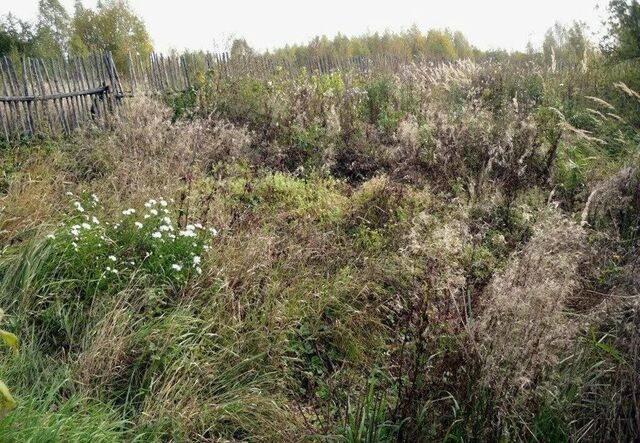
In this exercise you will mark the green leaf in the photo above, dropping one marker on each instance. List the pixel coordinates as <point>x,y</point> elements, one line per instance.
<point>10,339</point>
<point>6,400</point>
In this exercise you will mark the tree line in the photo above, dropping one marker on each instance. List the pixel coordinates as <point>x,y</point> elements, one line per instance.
<point>113,26</point>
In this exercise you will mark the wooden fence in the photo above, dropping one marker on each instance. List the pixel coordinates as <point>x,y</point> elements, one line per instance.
<point>53,97</point>
<point>177,73</point>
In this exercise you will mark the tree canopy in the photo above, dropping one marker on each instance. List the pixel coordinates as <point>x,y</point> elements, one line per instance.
<point>623,40</point>
<point>112,26</point>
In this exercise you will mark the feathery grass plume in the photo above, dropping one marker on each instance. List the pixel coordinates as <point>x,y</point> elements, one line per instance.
<point>617,117</point>
<point>597,113</point>
<point>583,133</point>
<point>627,90</point>
<point>600,102</point>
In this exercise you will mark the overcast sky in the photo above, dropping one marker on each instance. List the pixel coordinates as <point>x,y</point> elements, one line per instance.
<point>198,24</point>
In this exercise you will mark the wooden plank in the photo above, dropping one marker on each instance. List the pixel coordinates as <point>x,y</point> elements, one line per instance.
<point>25,86</point>
<point>12,88</point>
<point>81,101</point>
<point>118,90</point>
<point>57,103</point>
<point>112,82</point>
<point>6,114</point>
<point>71,100</point>
<point>94,109</point>
<point>39,88</point>
<point>83,83</point>
<point>185,69</point>
<point>99,101</point>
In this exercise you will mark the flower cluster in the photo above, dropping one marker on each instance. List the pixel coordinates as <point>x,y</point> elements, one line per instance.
<point>148,240</point>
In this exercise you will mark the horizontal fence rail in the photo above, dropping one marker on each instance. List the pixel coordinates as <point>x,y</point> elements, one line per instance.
<point>53,97</point>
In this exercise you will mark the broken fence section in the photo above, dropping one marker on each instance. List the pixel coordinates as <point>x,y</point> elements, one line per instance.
<point>54,97</point>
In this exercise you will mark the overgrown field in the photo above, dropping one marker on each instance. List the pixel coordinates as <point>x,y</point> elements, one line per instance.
<point>447,254</point>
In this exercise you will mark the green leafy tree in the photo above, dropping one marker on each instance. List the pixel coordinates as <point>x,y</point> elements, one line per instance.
<point>114,27</point>
<point>16,36</point>
<point>567,47</point>
<point>53,28</point>
<point>240,48</point>
<point>623,41</point>
<point>462,46</point>
<point>439,45</point>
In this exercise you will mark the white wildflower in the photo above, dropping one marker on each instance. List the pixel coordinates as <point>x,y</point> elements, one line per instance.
<point>156,235</point>
<point>113,258</point>
<point>95,221</point>
<point>138,225</point>
<point>177,267</point>
<point>196,260</point>
<point>86,225</point>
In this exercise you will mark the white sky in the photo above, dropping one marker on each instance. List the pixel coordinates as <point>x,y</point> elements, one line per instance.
<point>488,24</point>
